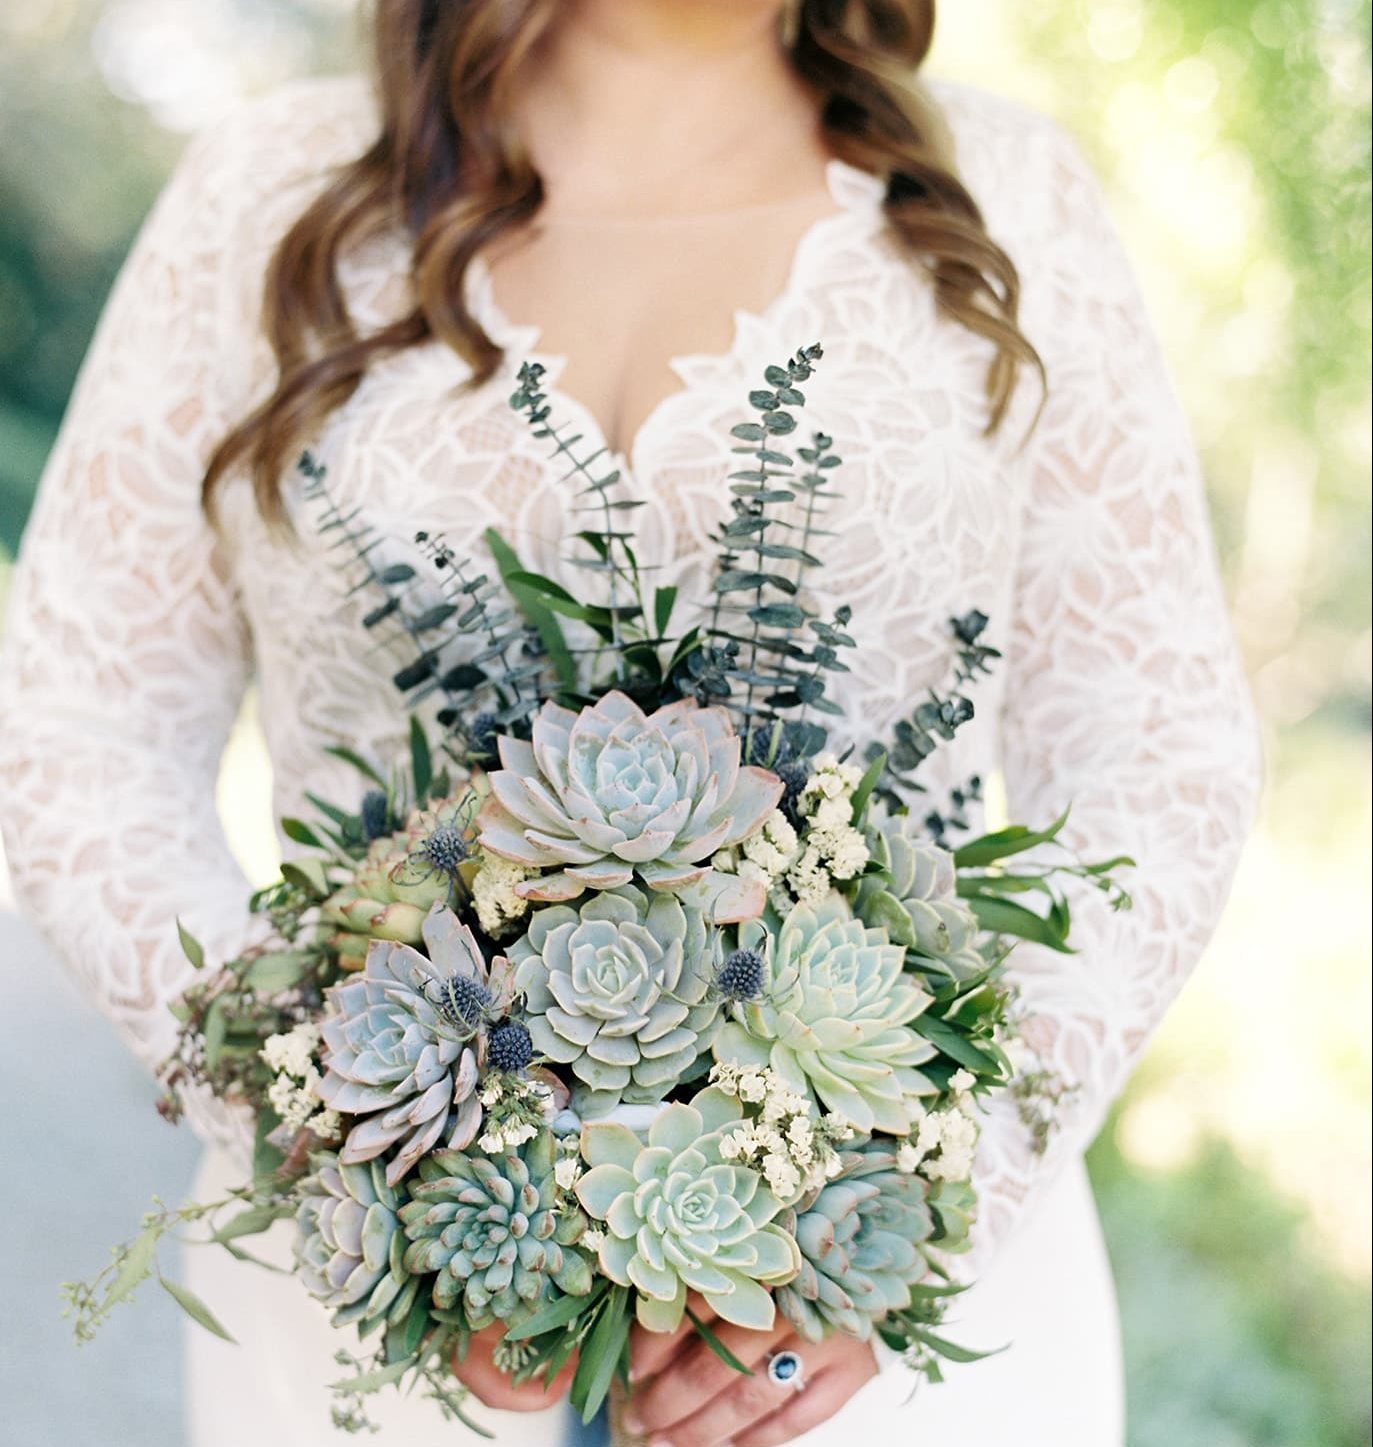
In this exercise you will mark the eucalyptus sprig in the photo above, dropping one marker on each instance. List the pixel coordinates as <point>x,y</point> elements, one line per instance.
<point>937,719</point>
<point>779,649</point>
<point>611,544</point>
<point>460,637</point>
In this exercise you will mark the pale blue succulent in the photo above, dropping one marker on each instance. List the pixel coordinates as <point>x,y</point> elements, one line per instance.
<point>602,796</point>
<point>916,897</point>
<point>618,989</point>
<point>497,1232</point>
<point>860,1242</point>
<point>834,1016</point>
<point>349,1248</point>
<point>679,1216</point>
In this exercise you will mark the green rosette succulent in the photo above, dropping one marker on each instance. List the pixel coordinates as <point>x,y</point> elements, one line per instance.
<point>349,1248</point>
<point>917,900</point>
<point>602,796</point>
<point>405,1043</point>
<point>498,1232</point>
<point>860,1241</point>
<point>679,1217</point>
<point>401,878</point>
<point>834,1016</point>
<point>618,988</point>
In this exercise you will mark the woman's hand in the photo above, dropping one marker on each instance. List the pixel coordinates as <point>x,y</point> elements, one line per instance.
<point>492,1388</point>
<point>685,1395</point>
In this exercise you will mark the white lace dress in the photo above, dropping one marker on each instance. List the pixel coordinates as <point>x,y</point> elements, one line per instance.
<point>134,631</point>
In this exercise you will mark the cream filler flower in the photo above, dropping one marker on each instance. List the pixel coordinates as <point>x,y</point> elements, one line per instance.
<point>603,795</point>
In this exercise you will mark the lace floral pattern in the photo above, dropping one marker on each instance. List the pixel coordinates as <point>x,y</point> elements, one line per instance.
<point>133,628</point>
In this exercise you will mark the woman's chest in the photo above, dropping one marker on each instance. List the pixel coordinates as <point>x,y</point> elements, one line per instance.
<point>919,523</point>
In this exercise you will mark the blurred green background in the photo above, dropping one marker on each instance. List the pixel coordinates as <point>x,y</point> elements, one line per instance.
<point>1233,136</point>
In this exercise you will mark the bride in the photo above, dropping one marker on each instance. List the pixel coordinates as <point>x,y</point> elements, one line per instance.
<point>655,198</point>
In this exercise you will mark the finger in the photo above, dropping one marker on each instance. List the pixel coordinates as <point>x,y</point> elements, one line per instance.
<point>651,1352</point>
<point>493,1388</point>
<point>699,1378</point>
<point>821,1399</point>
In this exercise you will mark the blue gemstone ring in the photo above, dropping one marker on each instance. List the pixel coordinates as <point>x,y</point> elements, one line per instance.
<point>786,1369</point>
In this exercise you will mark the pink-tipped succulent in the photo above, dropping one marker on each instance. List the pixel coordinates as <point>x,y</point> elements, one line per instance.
<point>609,793</point>
<point>406,1042</point>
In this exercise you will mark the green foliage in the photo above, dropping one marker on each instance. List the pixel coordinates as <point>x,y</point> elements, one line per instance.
<point>89,1303</point>
<point>1265,103</point>
<point>1237,1334</point>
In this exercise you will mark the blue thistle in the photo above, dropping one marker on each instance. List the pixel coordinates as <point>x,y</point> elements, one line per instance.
<point>445,849</point>
<point>741,977</point>
<point>509,1047</point>
<point>794,776</point>
<point>463,1003</point>
<point>376,815</point>
<point>482,735</point>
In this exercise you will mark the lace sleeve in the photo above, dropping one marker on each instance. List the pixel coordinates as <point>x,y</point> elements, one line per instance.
<point>1125,697</point>
<point>127,655</point>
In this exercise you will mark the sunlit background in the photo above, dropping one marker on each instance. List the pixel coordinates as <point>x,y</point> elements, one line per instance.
<point>1234,139</point>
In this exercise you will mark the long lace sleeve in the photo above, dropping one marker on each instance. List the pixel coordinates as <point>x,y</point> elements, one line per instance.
<point>1125,697</point>
<point>127,655</point>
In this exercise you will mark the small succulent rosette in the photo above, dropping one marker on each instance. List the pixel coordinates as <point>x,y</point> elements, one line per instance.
<point>406,1042</point>
<point>677,1215</point>
<point>599,798</point>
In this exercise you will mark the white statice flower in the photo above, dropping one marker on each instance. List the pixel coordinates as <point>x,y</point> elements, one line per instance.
<point>493,894</point>
<point>294,1052</point>
<point>957,1143</point>
<point>566,1171</point>
<point>908,1158</point>
<point>846,851</point>
<point>281,1094</point>
<point>291,1102</point>
<point>593,1238</point>
<point>733,1146</point>
<point>792,1148</point>
<point>962,1081</point>
<point>327,1125</point>
<point>772,849</point>
<point>781,1175</point>
<point>808,878</point>
<point>506,1137</point>
<point>832,812</point>
<point>801,1132</point>
<point>830,780</point>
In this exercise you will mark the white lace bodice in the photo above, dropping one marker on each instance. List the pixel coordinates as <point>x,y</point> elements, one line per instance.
<point>134,630</point>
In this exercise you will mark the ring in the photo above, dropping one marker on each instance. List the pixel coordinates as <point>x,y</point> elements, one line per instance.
<point>786,1369</point>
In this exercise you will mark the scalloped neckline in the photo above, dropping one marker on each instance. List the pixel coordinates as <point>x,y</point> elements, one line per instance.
<point>856,195</point>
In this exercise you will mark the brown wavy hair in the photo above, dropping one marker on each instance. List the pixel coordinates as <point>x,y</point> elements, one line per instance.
<point>449,168</point>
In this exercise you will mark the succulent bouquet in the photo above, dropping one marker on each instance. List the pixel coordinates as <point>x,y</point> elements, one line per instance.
<point>629,985</point>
